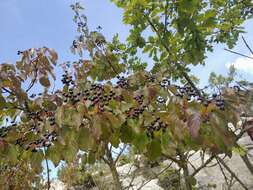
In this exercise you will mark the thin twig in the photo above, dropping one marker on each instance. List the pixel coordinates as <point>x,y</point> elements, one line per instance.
<point>8,91</point>
<point>166,17</point>
<point>202,166</point>
<point>35,78</point>
<point>231,172</point>
<point>247,45</point>
<point>223,173</point>
<point>120,153</point>
<point>238,53</point>
<point>161,172</point>
<point>171,158</point>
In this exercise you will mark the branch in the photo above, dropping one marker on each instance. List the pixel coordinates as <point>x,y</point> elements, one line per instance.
<point>35,78</point>
<point>48,176</point>
<point>166,17</point>
<point>202,166</point>
<point>179,67</point>
<point>108,60</point>
<point>247,45</point>
<point>238,53</point>
<point>223,173</point>
<point>120,153</point>
<point>161,172</point>
<point>8,91</point>
<point>105,160</point>
<point>231,172</point>
<point>173,159</point>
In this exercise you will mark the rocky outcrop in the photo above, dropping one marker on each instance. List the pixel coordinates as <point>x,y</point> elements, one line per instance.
<point>210,177</point>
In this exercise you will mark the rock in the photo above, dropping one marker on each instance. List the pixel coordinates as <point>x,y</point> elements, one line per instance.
<point>57,185</point>
<point>126,169</point>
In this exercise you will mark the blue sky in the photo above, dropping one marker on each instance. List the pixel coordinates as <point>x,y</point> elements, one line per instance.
<point>36,23</point>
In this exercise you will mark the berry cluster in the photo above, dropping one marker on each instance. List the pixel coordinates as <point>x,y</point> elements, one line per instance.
<point>45,141</point>
<point>71,96</point>
<point>67,79</point>
<point>139,98</point>
<point>165,83</point>
<point>122,82</point>
<point>51,120</point>
<point>156,125</point>
<point>219,101</point>
<point>160,100</point>
<point>236,88</point>
<point>4,131</point>
<point>187,91</point>
<point>34,115</point>
<point>150,78</point>
<point>135,112</point>
<point>97,95</point>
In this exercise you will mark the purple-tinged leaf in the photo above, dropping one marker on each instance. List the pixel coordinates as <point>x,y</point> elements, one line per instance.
<point>193,123</point>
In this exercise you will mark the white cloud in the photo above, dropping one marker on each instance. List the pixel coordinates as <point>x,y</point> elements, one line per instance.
<point>242,64</point>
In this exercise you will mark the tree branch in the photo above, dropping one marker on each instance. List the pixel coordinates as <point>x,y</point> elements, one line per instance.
<point>48,175</point>
<point>247,45</point>
<point>234,52</point>
<point>161,172</point>
<point>166,17</point>
<point>179,67</point>
<point>120,153</point>
<point>202,166</point>
<point>35,78</point>
<point>231,172</point>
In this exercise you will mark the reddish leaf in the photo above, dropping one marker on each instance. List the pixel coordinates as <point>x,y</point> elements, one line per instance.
<point>194,124</point>
<point>44,81</point>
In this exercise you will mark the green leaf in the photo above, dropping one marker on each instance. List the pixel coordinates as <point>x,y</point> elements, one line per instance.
<point>126,134</point>
<point>70,153</point>
<point>85,139</point>
<point>140,141</point>
<point>154,149</point>
<point>91,158</point>
<point>240,150</point>
<point>36,160</point>
<point>68,116</point>
<point>2,102</point>
<point>54,154</point>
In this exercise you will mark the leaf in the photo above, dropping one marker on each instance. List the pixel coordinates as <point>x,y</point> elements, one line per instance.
<point>126,134</point>
<point>85,140</point>
<point>70,153</point>
<point>36,160</point>
<point>44,81</point>
<point>91,158</point>
<point>68,116</point>
<point>53,55</point>
<point>49,105</point>
<point>154,149</point>
<point>193,123</point>
<point>240,150</point>
<point>140,141</point>
<point>2,102</point>
<point>54,154</point>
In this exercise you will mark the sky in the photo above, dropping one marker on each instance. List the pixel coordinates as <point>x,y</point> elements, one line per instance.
<point>37,23</point>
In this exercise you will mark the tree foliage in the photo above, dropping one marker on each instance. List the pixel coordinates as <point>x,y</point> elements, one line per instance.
<point>109,98</point>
